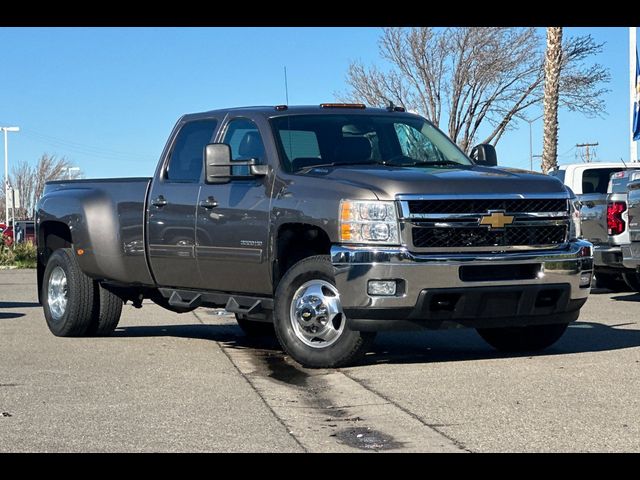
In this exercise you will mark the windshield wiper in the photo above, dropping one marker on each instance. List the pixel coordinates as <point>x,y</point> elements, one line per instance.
<point>438,163</point>
<point>336,164</point>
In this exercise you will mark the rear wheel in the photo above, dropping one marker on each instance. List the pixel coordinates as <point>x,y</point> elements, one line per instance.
<point>107,309</point>
<point>68,295</point>
<point>632,279</point>
<point>523,339</point>
<point>308,317</point>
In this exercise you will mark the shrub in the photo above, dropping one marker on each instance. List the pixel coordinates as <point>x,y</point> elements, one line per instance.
<point>25,255</point>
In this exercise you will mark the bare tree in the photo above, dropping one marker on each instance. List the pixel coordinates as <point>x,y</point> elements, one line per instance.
<point>29,181</point>
<point>552,70</point>
<point>474,79</point>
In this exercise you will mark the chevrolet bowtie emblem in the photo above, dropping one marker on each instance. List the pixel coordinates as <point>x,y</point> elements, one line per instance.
<point>496,220</point>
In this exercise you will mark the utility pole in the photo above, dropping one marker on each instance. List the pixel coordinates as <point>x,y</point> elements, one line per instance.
<point>587,145</point>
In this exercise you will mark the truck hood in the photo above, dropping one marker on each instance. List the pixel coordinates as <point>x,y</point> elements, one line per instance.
<point>387,182</point>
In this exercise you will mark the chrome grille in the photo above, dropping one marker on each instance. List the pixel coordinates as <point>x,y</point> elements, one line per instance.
<point>484,205</point>
<point>483,237</point>
<point>439,223</point>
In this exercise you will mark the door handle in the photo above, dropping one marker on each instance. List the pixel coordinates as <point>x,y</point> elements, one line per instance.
<point>589,204</point>
<point>159,202</point>
<point>210,202</point>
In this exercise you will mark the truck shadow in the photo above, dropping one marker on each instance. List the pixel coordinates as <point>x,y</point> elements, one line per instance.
<point>461,345</point>
<point>4,315</point>
<point>415,347</point>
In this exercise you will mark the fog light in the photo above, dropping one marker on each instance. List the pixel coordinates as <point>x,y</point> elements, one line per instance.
<point>381,287</point>
<point>585,279</point>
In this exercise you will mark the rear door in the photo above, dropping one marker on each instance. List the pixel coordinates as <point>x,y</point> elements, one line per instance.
<point>172,206</point>
<point>593,212</point>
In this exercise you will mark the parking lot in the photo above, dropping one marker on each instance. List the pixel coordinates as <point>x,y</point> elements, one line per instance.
<point>193,382</point>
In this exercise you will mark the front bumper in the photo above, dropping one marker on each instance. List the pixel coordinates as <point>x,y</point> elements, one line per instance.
<point>438,291</point>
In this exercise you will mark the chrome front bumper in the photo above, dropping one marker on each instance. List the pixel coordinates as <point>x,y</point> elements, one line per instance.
<point>423,274</point>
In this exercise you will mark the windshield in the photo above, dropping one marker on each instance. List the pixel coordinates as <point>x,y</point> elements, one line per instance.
<point>334,139</point>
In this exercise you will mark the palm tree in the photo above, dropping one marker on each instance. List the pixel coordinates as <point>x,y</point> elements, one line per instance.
<point>552,67</point>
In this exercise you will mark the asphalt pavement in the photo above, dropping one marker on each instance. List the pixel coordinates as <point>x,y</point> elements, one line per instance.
<point>193,382</point>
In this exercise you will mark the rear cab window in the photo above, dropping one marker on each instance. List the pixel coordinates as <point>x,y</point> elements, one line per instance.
<point>596,180</point>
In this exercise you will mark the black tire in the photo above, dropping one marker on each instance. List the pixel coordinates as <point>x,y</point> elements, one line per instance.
<point>523,339</point>
<point>253,328</point>
<point>611,282</point>
<point>77,317</point>
<point>348,347</point>
<point>632,279</point>
<point>107,309</point>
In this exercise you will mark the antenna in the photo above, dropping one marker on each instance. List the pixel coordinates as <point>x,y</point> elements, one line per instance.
<point>286,86</point>
<point>623,162</point>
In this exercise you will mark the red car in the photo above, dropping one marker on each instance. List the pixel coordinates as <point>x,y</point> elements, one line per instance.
<point>26,232</point>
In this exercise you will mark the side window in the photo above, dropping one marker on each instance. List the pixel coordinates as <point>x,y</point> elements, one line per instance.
<point>246,143</point>
<point>185,164</point>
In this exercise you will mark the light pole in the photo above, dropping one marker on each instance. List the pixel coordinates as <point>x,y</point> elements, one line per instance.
<point>6,170</point>
<point>530,122</point>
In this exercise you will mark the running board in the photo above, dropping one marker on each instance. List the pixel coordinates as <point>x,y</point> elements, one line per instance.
<point>241,304</point>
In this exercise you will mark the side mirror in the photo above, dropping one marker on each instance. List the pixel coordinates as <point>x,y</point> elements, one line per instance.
<point>485,155</point>
<point>217,163</point>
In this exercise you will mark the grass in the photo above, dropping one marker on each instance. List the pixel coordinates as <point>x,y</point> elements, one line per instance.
<point>23,255</point>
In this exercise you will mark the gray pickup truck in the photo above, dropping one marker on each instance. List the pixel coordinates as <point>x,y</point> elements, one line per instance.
<point>326,224</point>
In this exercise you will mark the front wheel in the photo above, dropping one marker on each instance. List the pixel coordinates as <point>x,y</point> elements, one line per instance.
<point>309,321</point>
<point>523,339</point>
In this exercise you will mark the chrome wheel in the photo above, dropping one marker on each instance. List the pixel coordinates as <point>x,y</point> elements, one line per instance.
<point>316,314</point>
<point>57,293</point>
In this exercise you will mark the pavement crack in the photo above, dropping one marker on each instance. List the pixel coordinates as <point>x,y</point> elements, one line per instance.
<point>434,427</point>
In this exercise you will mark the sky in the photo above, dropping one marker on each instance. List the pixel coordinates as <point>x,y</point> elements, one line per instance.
<point>107,98</point>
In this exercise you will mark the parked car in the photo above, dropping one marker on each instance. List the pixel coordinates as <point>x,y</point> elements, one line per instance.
<point>328,222</point>
<point>25,231</point>
<point>602,223</point>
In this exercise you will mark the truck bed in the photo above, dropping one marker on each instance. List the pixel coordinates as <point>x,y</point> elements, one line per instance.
<point>107,222</point>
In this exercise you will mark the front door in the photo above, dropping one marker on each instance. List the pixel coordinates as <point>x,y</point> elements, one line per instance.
<point>232,220</point>
<point>172,207</point>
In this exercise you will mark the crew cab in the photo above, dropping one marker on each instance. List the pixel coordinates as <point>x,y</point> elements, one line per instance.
<point>324,223</point>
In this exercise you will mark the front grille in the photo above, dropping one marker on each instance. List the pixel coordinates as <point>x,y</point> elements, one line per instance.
<point>435,237</point>
<point>533,205</point>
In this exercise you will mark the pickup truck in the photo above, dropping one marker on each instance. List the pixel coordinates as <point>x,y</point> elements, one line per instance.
<point>324,223</point>
<point>631,250</point>
<point>603,217</point>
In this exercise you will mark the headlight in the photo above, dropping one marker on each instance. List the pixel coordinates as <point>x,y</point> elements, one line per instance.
<point>368,222</point>
<point>575,230</point>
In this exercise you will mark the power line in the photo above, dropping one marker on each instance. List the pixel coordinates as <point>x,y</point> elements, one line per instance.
<point>587,146</point>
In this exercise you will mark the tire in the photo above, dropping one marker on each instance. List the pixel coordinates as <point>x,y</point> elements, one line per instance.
<point>611,282</point>
<point>253,328</point>
<point>67,295</point>
<point>342,346</point>
<point>107,309</point>
<point>523,339</point>
<point>632,279</point>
